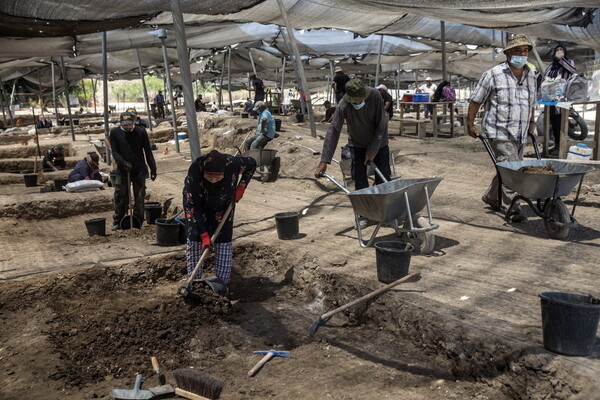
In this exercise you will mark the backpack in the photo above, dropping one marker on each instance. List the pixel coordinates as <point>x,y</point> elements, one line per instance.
<point>576,88</point>
<point>448,93</point>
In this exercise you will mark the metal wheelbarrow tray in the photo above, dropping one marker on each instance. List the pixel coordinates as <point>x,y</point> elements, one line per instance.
<point>267,165</point>
<point>545,189</point>
<point>393,201</point>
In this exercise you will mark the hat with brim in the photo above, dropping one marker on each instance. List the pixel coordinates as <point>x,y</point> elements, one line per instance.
<point>517,41</point>
<point>338,69</point>
<point>127,118</point>
<point>356,91</point>
<point>258,105</point>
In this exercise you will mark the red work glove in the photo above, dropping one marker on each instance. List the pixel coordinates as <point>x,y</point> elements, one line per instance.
<point>239,191</point>
<point>205,239</point>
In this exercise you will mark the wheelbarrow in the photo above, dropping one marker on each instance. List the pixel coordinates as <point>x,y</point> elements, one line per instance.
<point>267,165</point>
<point>390,202</point>
<point>545,189</point>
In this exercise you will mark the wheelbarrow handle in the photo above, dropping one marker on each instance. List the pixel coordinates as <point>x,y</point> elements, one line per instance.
<point>377,171</point>
<point>488,148</point>
<point>336,183</point>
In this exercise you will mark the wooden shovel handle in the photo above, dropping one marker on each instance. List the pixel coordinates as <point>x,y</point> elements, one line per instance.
<point>368,296</point>
<point>259,364</point>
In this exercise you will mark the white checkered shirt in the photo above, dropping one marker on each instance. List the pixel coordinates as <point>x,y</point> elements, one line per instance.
<point>507,102</point>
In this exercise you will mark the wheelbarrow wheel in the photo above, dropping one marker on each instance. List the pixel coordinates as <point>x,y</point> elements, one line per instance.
<point>422,241</point>
<point>558,213</point>
<point>274,169</point>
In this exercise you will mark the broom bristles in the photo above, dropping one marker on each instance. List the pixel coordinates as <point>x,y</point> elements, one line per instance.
<point>198,383</point>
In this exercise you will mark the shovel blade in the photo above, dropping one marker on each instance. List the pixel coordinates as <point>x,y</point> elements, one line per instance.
<point>315,325</point>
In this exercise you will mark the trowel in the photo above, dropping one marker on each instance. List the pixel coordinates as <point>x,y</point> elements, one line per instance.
<point>133,394</point>
<point>163,389</point>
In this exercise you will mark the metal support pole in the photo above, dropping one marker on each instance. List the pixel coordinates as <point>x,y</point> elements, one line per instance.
<point>2,101</point>
<point>229,79</point>
<point>40,94</point>
<point>282,90</point>
<point>221,84</point>
<point>170,91</point>
<point>252,61</point>
<point>54,94</point>
<point>330,94</point>
<point>66,84</point>
<point>290,32</point>
<point>538,59</point>
<point>443,38</point>
<point>378,61</point>
<point>398,87</point>
<point>10,104</point>
<point>186,79</point>
<point>108,157</point>
<point>94,85</point>
<point>146,102</point>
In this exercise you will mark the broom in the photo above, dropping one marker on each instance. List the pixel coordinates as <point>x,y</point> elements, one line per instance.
<point>194,385</point>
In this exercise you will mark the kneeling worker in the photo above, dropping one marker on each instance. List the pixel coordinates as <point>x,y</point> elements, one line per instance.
<point>265,131</point>
<point>86,169</point>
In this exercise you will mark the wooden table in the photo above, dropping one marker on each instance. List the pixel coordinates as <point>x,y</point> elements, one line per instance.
<point>420,122</point>
<point>565,142</point>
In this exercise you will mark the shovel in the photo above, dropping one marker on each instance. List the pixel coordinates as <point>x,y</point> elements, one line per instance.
<point>129,221</point>
<point>321,319</point>
<point>185,289</point>
<point>133,394</point>
<point>163,389</point>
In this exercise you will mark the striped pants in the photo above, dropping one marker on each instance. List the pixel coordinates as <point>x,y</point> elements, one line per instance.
<point>224,259</point>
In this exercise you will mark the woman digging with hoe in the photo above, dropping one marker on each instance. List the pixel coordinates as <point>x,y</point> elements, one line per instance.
<point>209,196</point>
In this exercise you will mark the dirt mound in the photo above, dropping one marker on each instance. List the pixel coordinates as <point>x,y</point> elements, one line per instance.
<point>547,169</point>
<point>55,205</point>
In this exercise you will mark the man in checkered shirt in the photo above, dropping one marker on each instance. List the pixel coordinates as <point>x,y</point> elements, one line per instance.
<point>508,93</point>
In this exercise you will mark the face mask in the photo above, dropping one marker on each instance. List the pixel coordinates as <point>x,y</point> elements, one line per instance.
<point>358,106</point>
<point>518,61</point>
<point>559,54</point>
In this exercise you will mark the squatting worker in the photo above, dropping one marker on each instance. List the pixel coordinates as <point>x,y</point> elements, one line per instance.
<point>131,149</point>
<point>86,169</point>
<point>508,93</point>
<point>265,130</point>
<point>210,186</point>
<point>54,159</point>
<point>362,108</point>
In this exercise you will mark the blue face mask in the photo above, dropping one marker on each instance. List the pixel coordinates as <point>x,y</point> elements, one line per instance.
<point>518,61</point>
<point>358,106</point>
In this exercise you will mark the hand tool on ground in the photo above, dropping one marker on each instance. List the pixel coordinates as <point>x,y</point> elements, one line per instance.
<point>163,388</point>
<point>269,354</point>
<point>130,221</point>
<point>177,213</point>
<point>185,289</point>
<point>166,206</point>
<point>133,394</point>
<point>194,385</point>
<point>321,319</point>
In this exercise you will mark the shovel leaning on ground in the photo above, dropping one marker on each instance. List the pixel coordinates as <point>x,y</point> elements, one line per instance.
<point>133,394</point>
<point>321,319</point>
<point>269,354</point>
<point>130,221</point>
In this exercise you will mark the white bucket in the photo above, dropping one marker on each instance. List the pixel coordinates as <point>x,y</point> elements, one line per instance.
<point>579,151</point>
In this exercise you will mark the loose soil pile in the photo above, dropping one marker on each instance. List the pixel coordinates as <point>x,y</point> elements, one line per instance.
<point>547,169</point>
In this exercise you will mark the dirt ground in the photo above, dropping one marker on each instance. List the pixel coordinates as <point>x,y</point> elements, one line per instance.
<point>82,315</point>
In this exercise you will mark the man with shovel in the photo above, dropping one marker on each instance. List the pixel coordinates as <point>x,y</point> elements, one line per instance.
<point>131,149</point>
<point>211,186</point>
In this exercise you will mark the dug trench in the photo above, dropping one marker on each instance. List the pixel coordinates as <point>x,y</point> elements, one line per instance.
<point>81,333</point>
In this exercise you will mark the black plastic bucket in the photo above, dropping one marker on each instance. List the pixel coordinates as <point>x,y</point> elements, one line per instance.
<point>30,180</point>
<point>277,124</point>
<point>569,323</point>
<point>153,210</point>
<point>59,183</point>
<point>96,226</point>
<point>299,117</point>
<point>167,234</point>
<point>287,225</point>
<point>393,260</point>
<point>244,115</point>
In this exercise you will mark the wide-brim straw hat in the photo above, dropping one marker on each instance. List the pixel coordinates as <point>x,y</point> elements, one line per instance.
<point>516,41</point>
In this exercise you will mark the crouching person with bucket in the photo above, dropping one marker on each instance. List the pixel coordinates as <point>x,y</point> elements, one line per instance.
<point>209,196</point>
